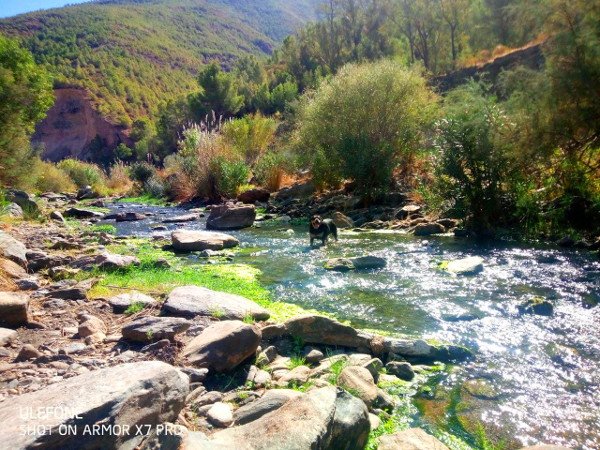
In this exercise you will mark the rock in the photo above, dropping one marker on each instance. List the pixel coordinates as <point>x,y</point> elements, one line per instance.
<point>420,351</point>
<point>566,241</point>
<point>307,422</point>
<point>28,284</point>
<point>57,216</point>
<point>14,210</point>
<point>7,336</point>
<point>12,269</point>
<point>80,213</point>
<point>401,369</point>
<point>14,308</point>
<point>342,221</point>
<point>121,302</point>
<point>407,210</point>
<point>537,305</point>
<point>448,223</point>
<point>231,217</point>
<point>181,219</point>
<point>427,229</point>
<point>190,301</point>
<point>105,261</point>
<point>38,260</point>
<point>323,330</point>
<point>466,266</point>
<point>545,447</point>
<point>144,394</point>
<point>358,263</point>
<point>312,355</point>
<point>150,328</point>
<point>86,193</point>
<point>220,415</point>
<point>270,401</point>
<point>129,217</point>
<point>222,346</point>
<point>374,365</point>
<point>25,201</point>
<point>12,249</point>
<point>196,241</point>
<point>71,292</point>
<point>298,375</point>
<point>339,265</point>
<point>412,439</point>
<point>28,352</point>
<point>254,195</point>
<point>64,244</point>
<point>92,326</point>
<point>360,383</point>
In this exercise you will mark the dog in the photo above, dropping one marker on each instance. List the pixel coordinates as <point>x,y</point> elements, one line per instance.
<point>321,229</point>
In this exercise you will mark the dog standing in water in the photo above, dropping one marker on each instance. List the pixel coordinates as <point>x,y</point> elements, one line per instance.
<point>321,229</point>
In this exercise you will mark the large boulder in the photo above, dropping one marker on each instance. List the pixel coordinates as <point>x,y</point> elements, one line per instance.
<point>14,210</point>
<point>412,439</point>
<point>142,394</point>
<point>106,261</point>
<point>342,221</point>
<point>417,350</point>
<point>427,229</point>
<point>316,420</point>
<point>323,330</point>
<point>360,382</point>
<point>12,249</point>
<point>466,266</point>
<point>190,301</point>
<point>12,269</point>
<point>359,263</point>
<point>197,241</point>
<point>272,399</point>
<point>222,346</point>
<point>25,201</point>
<point>129,217</point>
<point>151,328</point>
<point>254,195</point>
<point>231,217</point>
<point>14,307</point>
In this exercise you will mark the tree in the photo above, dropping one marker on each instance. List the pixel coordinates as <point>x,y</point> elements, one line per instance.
<point>25,97</point>
<point>218,94</point>
<point>365,122</point>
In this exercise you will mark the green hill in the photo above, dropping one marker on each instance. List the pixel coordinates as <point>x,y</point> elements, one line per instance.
<point>132,54</point>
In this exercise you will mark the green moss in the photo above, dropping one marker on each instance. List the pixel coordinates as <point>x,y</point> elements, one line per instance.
<point>110,229</point>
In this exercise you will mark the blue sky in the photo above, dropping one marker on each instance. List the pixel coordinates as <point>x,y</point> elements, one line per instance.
<point>13,7</point>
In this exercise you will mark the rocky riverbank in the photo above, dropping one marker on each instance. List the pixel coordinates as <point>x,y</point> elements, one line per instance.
<point>195,356</point>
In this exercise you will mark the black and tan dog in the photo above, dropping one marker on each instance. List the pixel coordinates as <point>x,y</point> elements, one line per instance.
<point>321,229</point>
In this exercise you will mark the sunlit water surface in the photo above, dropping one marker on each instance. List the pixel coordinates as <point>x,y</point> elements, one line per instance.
<point>546,369</point>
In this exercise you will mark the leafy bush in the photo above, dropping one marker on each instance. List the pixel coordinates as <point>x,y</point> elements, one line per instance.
<point>82,173</point>
<point>118,180</point>
<point>49,178</point>
<point>250,136</point>
<point>155,187</point>
<point>473,161</point>
<point>363,123</point>
<point>269,170</point>
<point>230,175</point>
<point>141,171</point>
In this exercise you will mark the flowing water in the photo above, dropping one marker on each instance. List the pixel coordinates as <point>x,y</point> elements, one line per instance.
<point>543,372</point>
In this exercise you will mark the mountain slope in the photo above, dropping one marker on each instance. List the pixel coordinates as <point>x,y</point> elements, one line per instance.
<point>132,54</point>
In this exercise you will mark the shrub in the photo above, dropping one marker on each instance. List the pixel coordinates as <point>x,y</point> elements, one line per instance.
<point>141,171</point>
<point>49,178</point>
<point>250,136</point>
<point>269,170</point>
<point>155,187</point>
<point>118,180</point>
<point>363,123</point>
<point>473,163</point>
<point>82,173</point>
<point>230,176</point>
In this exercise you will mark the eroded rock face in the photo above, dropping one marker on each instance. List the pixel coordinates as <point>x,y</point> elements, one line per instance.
<point>72,124</point>
<point>231,217</point>
<point>190,301</point>
<point>143,393</point>
<point>222,346</point>
<point>196,241</point>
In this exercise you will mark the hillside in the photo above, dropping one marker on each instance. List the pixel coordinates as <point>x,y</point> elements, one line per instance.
<point>132,54</point>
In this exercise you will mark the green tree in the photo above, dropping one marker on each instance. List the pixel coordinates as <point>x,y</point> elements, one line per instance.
<point>364,123</point>
<point>25,97</point>
<point>218,93</point>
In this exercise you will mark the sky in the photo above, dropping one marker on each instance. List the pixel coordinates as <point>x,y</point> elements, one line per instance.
<point>13,7</point>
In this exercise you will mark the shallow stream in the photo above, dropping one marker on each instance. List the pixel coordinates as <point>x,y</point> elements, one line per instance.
<point>534,378</point>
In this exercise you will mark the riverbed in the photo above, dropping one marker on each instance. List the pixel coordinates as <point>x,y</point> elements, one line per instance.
<point>540,374</point>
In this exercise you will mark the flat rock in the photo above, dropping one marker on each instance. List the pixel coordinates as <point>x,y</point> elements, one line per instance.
<point>315,420</point>
<point>231,217</point>
<point>358,263</point>
<point>420,351</point>
<point>466,266</point>
<point>222,346</point>
<point>80,213</point>
<point>12,269</point>
<point>412,439</point>
<point>196,241</point>
<point>121,302</point>
<point>14,308</point>
<point>6,336</point>
<point>13,249</point>
<point>315,329</point>
<point>143,393</point>
<point>181,219</point>
<point>151,329</point>
<point>106,261</point>
<point>401,369</point>
<point>129,217</point>
<point>190,301</point>
<point>270,401</point>
<point>427,229</point>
